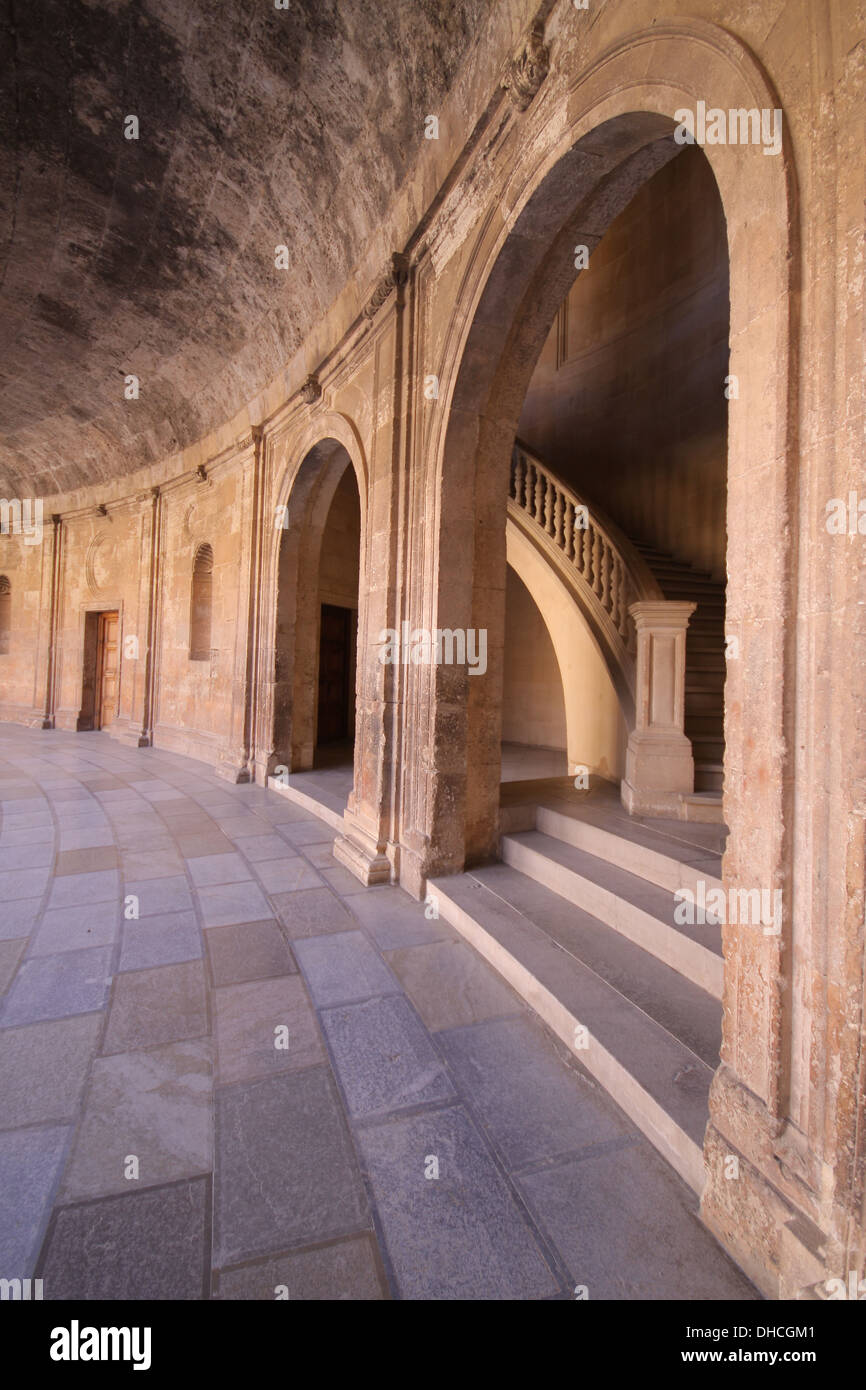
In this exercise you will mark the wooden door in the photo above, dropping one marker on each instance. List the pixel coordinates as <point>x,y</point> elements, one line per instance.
<point>108,670</point>
<point>335,644</point>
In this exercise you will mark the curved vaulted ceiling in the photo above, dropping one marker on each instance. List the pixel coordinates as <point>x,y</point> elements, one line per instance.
<point>155,256</point>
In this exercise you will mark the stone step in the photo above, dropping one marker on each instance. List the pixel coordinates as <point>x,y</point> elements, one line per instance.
<point>708,750</point>
<point>595,991</point>
<point>640,849</point>
<point>636,908</point>
<point>705,699</point>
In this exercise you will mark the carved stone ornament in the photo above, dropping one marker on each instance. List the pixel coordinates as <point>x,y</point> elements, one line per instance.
<point>311,390</point>
<point>393,278</point>
<point>528,68</point>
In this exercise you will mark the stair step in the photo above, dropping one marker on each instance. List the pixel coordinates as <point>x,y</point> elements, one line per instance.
<point>707,779</point>
<point>577,975</point>
<point>637,909</point>
<point>640,849</point>
<point>699,726</point>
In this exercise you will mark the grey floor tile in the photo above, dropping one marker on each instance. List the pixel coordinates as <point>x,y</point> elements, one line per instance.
<point>30,1161</point>
<point>155,1105</point>
<point>394,920</point>
<point>232,903</point>
<point>73,928</point>
<point>249,951</point>
<point>43,1068</point>
<point>27,856</point>
<point>461,1235</point>
<point>166,939</point>
<point>263,846</point>
<point>160,895</point>
<point>534,1104</point>
<point>342,881</point>
<point>264,1028</point>
<point>74,982</point>
<point>18,918</point>
<point>346,1270</point>
<point>384,1057</point>
<point>10,954</point>
<point>289,875</point>
<point>312,912</point>
<point>307,832</point>
<point>23,883</point>
<point>86,837</point>
<point>106,1249</point>
<point>165,1004</point>
<point>71,890</point>
<point>343,967</point>
<point>627,1228</point>
<point>450,985</point>
<point>218,868</point>
<point>286,1173</point>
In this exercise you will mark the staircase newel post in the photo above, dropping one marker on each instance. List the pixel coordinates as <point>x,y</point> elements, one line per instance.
<point>659,767</point>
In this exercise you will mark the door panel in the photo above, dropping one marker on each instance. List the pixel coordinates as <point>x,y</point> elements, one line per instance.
<point>335,642</point>
<point>109,670</point>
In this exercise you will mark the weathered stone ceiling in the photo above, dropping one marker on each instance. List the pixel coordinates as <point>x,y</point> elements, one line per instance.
<point>258,126</point>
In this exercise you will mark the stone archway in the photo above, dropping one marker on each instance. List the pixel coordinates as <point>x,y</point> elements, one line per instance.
<point>613,131</point>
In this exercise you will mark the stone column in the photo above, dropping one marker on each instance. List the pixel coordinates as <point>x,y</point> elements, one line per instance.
<point>53,621</point>
<point>145,732</point>
<point>659,767</point>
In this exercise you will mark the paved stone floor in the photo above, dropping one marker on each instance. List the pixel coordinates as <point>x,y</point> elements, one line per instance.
<point>227,1069</point>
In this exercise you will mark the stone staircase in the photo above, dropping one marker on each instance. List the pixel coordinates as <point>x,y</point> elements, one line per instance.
<point>705,661</point>
<point>579,918</point>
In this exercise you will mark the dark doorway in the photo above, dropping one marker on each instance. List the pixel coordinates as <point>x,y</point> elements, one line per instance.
<point>101,675</point>
<point>335,668</point>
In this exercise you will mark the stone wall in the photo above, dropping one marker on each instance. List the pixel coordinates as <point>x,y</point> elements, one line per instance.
<point>418,368</point>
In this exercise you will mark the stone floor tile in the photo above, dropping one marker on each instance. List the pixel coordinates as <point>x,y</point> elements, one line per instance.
<point>43,1069</point>
<point>533,1103</point>
<point>85,837</point>
<point>160,895</point>
<point>73,889</point>
<point>228,904</point>
<point>146,864</point>
<point>156,1105</point>
<point>627,1228</point>
<point>106,1249</point>
<point>257,847</point>
<point>73,928</point>
<point>384,1057</point>
<point>74,982</point>
<point>343,1271</point>
<point>30,1162</point>
<point>249,951</point>
<point>18,918</point>
<point>23,883</point>
<point>160,1005</point>
<point>27,856</point>
<point>82,861</point>
<point>286,1173</point>
<point>246,1019</point>
<point>394,920</point>
<point>342,881</point>
<point>307,832</point>
<point>450,985</point>
<point>218,868</point>
<point>342,968</point>
<point>10,954</point>
<point>166,939</point>
<point>312,912</point>
<point>289,875</point>
<point>475,1239</point>
<point>199,844</point>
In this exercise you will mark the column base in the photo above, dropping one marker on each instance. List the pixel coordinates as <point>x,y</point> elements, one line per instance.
<point>659,772</point>
<point>360,853</point>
